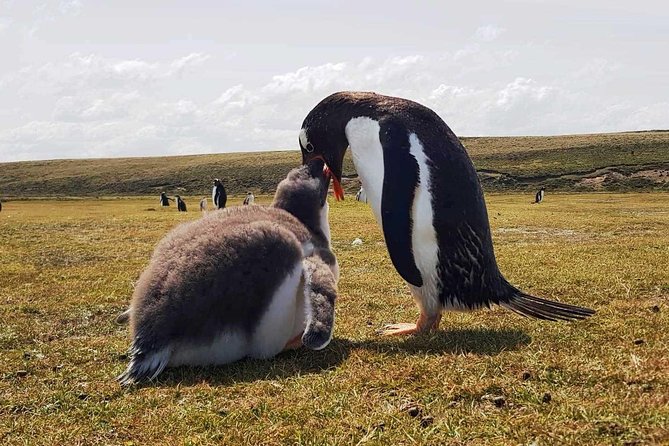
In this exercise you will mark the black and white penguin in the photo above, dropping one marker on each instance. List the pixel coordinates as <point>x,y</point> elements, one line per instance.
<point>218,194</point>
<point>361,195</point>
<point>203,205</point>
<point>181,205</point>
<point>245,281</point>
<point>426,196</point>
<point>539,197</point>
<point>164,199</point>
<point>249,199</point>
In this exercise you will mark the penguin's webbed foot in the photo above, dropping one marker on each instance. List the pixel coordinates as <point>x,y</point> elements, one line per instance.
<point>398,329</point>
<point>424,324</point>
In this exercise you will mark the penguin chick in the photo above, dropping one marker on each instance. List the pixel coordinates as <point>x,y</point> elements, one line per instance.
<point>244,281</point>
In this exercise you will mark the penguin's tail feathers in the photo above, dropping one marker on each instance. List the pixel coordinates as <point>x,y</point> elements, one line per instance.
<point>144,366</point>
<point>530,306</point>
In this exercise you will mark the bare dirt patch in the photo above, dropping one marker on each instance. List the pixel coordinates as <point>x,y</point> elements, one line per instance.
<point>655,175</point>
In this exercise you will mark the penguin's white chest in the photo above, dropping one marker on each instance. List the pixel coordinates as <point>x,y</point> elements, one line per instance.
<point>363,137</point>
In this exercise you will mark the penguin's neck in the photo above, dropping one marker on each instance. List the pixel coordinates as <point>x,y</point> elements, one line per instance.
<point>362,134</point>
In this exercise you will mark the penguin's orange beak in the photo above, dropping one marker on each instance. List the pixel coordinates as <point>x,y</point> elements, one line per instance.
<point>336,185</point>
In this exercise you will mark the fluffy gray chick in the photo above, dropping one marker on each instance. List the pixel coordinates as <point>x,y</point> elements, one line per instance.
<point>244,281</point>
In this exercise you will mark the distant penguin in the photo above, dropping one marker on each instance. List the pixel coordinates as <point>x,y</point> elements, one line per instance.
<point>361,195</point>
<point>164,199</point>
<point>203,205</point>
<point>425,194</point>
<point>250,198</point>
<point>246,281</point>
<point>181,205</point>
<point>539,197</point>
<point>0,206</point>
<point>218,195</point>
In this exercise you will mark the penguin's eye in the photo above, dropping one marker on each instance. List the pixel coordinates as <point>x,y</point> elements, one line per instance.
<point>309,148</point>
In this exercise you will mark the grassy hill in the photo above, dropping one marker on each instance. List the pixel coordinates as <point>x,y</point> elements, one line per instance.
<point>617,161</point>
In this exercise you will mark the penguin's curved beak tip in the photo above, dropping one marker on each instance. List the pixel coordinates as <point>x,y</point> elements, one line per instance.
<point>336,183</point>
<point>329,174</point>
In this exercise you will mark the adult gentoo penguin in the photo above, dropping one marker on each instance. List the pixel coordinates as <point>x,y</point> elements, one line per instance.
<point>181,204</point>
<point>218,195</point>
<point>539,197</point>
<point>361,195</point>
<point>426,196</point>
<point>249,199</point>
<point>243,281</point>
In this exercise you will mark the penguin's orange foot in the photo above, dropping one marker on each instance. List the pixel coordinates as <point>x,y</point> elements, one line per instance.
<point>398,329</point>
<point>294,343</point>
<point>424,324</point>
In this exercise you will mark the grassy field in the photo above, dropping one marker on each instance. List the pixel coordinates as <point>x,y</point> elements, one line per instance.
<point>489,377</point>
<point>616,161</point>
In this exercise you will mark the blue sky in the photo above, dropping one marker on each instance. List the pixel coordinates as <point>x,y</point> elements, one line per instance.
<point>126,78</point>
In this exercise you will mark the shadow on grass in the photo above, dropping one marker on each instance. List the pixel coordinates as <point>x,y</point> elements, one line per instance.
<point>303,362</point>
<point>286,364</point>
<point>478,341</point>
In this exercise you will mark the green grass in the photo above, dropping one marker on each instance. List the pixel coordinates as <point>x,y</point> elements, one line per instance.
<point>67,268</point>
<point>516,163</point>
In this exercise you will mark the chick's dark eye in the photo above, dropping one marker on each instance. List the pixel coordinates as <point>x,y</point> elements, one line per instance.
<point>309,148</point>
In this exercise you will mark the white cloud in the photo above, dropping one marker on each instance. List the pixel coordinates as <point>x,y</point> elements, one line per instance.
<point>179,66</point>
<point>30,16</point>
<point>594,72</point>
<point>99,106</point>
<point>233,95</point>
<point>90,72</point>
<point>70,7</point>
<point>520,92</point>
<point>488,33</point>
<point>306,79</point>
<point>81,108</point>
<point>5,23</point>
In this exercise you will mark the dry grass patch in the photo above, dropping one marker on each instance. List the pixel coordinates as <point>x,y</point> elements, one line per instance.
<point>489,377</point>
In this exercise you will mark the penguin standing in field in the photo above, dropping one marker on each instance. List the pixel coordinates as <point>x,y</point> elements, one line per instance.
<point>218,195</point>
<point>181,205</point>
<point>426,196</point>
<point>203,205</point>
<point>361,195</point>
<point>245,281</point>
<point>164,199</point>
<point>539,197</point>
<point>250,198</point>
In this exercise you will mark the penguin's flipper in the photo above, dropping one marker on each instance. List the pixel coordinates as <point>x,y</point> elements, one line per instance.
<point>320,293</point>
<point>399,188</point>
